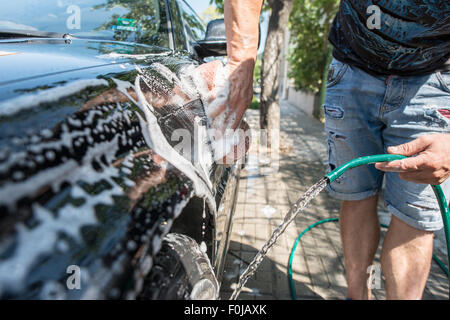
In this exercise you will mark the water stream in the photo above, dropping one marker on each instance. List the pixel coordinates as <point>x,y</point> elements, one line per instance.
<point>298,207</point>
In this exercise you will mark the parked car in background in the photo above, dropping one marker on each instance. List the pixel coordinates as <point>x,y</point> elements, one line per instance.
<point>90,92</point>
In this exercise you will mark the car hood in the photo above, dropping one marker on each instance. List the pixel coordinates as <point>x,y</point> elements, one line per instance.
<point>25,59</point>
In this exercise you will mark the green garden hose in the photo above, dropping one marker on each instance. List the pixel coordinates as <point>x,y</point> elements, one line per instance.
<point>333,175</point>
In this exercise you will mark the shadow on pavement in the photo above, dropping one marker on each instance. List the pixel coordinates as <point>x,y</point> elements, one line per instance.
<point>270,281</point>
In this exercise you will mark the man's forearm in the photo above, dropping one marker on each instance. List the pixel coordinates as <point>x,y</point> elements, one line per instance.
<point>242,21</point>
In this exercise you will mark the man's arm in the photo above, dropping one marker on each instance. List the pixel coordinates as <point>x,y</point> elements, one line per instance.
<point>431,163</point>
<point>242,24</point>
<point>242,29</point>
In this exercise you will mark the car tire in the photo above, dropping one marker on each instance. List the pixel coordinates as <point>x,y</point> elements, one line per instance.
<point>181,271</point>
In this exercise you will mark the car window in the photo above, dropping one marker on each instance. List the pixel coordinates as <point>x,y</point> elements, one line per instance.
<point>177,26</point>
<point>195,29</point>
<point>141,21</point>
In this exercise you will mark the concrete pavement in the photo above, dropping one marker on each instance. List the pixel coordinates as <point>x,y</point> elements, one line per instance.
<point>263,200</point>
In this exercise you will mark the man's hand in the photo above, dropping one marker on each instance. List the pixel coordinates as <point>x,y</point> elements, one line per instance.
<point>431,165</point>
<point>242,27</point>
<point>226,103</point>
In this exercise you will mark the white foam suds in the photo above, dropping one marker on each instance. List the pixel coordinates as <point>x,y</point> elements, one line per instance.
<point>203,247</point>
<point>223,145</point>
<point>204,159</point>
<point>179,206</point>
<point>70,171</point>
<point>215,98</point>
<point>220,117</point>
<point>156,140</point>
<point>28,101</point>
<point>69,219</point>
<point>233,286</point>
<point>118,56</point>
<point>241,233</point>
<point>184,86</point>
<point>268,211</point>
<point>40,240</point>
<point>43,238</point>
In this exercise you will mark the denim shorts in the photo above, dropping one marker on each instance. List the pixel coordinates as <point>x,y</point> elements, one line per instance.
<point>364,115</point>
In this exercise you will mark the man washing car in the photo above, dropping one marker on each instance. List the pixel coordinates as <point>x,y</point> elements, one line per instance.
<point>388,91</point>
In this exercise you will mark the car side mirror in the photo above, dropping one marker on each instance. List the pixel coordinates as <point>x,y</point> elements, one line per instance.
<point>215,42</point>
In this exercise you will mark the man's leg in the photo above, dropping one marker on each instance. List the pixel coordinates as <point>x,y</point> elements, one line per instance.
<point>351,108</point>
<point>405,260</point>
<point>360,234</point>
<point>414,106</point>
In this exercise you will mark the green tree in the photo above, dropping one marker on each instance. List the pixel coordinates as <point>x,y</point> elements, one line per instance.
<point>218,4</point>
<point>210,13</point>
<point>269,107</point>
<point>310,52</point>
<point>257,73</point>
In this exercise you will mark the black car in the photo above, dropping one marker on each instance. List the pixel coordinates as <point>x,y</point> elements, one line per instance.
<point>94,203</point>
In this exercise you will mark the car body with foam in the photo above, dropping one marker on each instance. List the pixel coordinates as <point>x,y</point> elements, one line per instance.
<point>96,201</point>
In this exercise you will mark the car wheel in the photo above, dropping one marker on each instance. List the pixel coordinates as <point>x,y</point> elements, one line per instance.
<point>181,271</point>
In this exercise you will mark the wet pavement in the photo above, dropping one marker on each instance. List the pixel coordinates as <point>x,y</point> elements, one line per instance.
<point>265,196</point>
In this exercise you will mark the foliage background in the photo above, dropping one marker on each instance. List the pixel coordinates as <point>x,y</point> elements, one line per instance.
<point>309,24</point>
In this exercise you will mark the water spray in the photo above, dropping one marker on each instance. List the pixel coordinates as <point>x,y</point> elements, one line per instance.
<point>310,194</point>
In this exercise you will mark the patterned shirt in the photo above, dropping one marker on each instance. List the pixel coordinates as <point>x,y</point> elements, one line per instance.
<point>401,37</point>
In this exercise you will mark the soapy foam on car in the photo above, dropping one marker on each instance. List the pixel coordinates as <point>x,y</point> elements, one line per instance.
<point>156,140</point>
<point>223,138</point>
<point>192,85</point>
<point>191,82</point>
<point>12,106</point>
<point>42,149</point>
<point>72,171</point>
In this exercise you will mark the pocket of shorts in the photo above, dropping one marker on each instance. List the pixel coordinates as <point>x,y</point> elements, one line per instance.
<point>336,71</point>
<point>444,80</point>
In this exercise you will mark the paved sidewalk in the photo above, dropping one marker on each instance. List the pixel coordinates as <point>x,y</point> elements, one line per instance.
<point>264,199</point>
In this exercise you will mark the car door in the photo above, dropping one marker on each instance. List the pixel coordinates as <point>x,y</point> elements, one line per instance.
<point>188,29</point>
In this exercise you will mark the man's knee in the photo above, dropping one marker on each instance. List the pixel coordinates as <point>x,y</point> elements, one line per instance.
<point>404,232</point>
<point>364,204</point>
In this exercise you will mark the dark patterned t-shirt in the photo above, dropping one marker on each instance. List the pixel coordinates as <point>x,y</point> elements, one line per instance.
<point>402,37</point>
